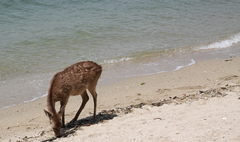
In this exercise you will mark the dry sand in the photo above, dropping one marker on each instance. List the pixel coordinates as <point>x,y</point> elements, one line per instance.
<point>196,103</point>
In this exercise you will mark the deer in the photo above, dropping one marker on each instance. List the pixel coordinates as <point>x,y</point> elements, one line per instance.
<point>72,81</point>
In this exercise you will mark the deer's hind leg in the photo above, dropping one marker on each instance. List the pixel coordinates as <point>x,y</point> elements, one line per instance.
<point>92,90</point>
<point>94,95</point>
<point>85,99</point>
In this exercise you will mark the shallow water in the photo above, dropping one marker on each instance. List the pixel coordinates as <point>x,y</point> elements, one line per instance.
<point>39,38</point>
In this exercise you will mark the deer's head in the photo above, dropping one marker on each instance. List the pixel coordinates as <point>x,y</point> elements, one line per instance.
<point>55,120</point>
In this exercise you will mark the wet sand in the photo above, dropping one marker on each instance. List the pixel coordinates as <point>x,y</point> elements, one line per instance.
<point>196,103</point>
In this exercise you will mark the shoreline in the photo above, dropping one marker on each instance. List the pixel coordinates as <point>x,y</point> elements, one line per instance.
<point>28,88</point>
<point>28,120</point>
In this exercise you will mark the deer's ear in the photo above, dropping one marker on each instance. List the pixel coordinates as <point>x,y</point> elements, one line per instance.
<point>48,114</point>
<point>61,111</point>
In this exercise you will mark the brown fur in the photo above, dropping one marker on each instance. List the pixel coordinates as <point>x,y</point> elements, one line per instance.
<point>72,81</point>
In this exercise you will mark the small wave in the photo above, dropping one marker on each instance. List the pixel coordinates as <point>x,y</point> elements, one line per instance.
<point>179,67</point>
<point>9,106</point>
<point>222,44</point>
<point>35,98</point>
<point>111,61</point>
<point>24,102</point>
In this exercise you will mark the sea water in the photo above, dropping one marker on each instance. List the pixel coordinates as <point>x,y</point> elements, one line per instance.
<point>127,37</point>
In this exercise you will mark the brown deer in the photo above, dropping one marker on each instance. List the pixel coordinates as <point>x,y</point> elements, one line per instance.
<point>72,81</point>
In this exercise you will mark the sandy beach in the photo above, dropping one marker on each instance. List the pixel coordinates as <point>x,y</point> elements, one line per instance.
<point>200,102</point>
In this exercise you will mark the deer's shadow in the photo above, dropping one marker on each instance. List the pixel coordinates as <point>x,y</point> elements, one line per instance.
<point>88,121</point>
<point>71,128</point>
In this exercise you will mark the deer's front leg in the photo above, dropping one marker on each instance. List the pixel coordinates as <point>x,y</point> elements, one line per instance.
<point>85,99</point>
<point>62,112</point>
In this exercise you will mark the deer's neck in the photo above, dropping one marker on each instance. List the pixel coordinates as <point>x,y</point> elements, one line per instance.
<point>50,97</point>
<point>51,103</point>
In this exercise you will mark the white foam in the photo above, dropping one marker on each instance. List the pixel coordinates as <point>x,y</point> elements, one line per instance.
<point>35,98</point>
<point>8,106</point>
<point>222,44</point>
<point>24,101</point>
<point>179,67</point>
<point>111,61</point>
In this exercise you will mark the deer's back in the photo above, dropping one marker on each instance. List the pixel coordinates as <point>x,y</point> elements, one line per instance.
<point>75,78</point>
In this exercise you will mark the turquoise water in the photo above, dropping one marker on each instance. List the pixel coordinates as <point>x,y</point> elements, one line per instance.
<point>40,37</point>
